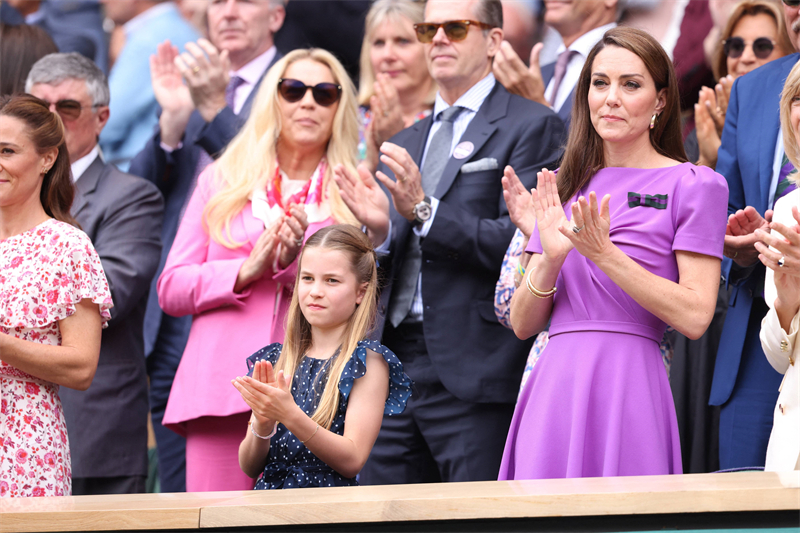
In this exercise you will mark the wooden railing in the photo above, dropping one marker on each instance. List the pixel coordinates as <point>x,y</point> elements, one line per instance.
<point>766,498</point>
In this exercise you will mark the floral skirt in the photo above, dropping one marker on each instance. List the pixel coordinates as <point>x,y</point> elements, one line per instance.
<point>34,449</point>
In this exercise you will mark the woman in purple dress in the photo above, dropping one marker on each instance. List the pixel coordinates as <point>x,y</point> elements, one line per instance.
<point>629,240</point>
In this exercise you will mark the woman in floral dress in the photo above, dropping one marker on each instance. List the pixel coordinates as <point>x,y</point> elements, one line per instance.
<point>54,300</point>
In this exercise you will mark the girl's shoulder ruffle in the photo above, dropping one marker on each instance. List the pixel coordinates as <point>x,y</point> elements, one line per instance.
<point>269,353</point>
<point>399,382</point>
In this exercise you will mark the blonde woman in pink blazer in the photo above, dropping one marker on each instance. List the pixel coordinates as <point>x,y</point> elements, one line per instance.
<point>233,262</point>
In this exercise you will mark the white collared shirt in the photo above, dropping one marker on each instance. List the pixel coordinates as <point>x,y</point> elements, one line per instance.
<point>582,45</point>
<point>80,166</point>
<point>251,73</point>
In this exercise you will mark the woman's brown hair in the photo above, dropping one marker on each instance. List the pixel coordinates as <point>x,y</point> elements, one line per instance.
<point>583,156</point>
<point>20,47</point>
<point>751,8</point>
<point>46,131</point>
<point>356,246</point>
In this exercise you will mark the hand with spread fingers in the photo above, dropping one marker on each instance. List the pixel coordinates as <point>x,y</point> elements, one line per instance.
<point>519,202</point>
<point>740,235</point>
<point>291,233</point>
<point>550,217</point>
<point>518,79</point>
<point>589,232</point>
<point>171,94</point>
<point>708,139</point>
<point>387,118</point>
<point>270,402</point>
<point>205,70</point>
<point>406,189</point>
<point>365,198</point>
<point>260,260</point>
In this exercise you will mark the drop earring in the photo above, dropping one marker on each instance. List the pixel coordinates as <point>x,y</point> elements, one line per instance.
<point>653,120</point>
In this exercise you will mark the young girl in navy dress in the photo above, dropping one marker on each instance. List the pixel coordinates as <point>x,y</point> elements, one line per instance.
<point>317,427</point>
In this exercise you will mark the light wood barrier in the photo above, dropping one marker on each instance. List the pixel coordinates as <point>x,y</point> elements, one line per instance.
<point>759,500</point>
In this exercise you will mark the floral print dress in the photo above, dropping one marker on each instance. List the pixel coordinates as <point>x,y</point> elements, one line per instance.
<point>44,273</point>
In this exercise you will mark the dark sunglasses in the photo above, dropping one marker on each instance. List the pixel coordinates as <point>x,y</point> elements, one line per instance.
<point>734,47</point>
<point>455,30</point>
<point>325,94</point>
<point>792,3</point>
<point>70,109</point>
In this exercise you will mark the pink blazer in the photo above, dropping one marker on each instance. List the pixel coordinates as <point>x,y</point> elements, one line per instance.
<point>198,280</point>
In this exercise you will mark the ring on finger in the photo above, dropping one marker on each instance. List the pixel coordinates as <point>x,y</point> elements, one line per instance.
<point>299,242</point>
<point>403,179</point>
<point>781,261</point>
<point>576,229</point>
<point>195,69</point>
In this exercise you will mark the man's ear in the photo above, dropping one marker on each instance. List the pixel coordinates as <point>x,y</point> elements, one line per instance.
<point>495,40</point>
<point>101,118</point>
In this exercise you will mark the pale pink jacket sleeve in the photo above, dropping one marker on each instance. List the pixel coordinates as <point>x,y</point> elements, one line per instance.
<point>190,282</point>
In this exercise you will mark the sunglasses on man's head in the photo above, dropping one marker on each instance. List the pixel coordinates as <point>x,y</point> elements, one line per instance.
<point>455,30</point>
<point>70,109</point>
<point>325,94</point>
<point>734,47</point>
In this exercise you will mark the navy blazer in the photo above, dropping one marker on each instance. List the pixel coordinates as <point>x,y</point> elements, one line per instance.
<point>174,174</point>
<point>476,358</point>
<point>566,109</point>
<point>747,161</point>
<point>107,423</point>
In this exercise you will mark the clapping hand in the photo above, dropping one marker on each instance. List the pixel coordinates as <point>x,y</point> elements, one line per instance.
<point>291,233</point>
<point>365,198</point>
<point>261,258</point>
<point>268,395</point>
<point>171,94</point>
<point>781,253</point>
<point>519,202</point>
<point>550,217</point>
<point>708,138</point>
<point>740,235</point>
<point>387,118</point>
<point>406,190</point>
<point>589,233</point>
<point>518,79</point>
<point>205,70</point>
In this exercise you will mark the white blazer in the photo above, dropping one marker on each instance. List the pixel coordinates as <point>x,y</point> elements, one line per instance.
<point>782,351</point>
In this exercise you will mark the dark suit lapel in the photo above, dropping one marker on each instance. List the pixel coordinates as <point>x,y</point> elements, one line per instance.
<point>86,185</point>
<point>245,111</point>
<point>477,133</point>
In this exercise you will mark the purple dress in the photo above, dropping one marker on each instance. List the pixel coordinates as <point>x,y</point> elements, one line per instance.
<point>598,402</point>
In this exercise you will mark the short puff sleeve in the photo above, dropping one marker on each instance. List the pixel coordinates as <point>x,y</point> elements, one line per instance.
<point>399,382</point>
<point>700,212</point>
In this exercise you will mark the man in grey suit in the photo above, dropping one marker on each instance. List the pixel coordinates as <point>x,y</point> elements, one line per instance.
<point>121,213</point>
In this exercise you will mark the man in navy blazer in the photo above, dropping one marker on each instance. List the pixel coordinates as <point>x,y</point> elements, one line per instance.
<point>750,158</point>
<point>197,121</point>
<point>440,318</point>
<point>581,25</point>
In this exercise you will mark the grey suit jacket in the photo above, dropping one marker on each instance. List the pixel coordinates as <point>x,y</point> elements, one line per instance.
<point>107,424</point>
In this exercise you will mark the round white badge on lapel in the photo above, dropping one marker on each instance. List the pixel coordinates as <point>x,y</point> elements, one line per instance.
<point>463,150</point>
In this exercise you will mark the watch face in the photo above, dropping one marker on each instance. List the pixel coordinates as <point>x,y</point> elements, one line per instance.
<point>423,211</point>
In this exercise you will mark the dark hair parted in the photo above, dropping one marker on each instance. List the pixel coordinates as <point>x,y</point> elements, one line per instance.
<point>352,242</point>
<point>583,156</point>
<point>46,131</point>
<point>490,12</point>
<point>20,47</point>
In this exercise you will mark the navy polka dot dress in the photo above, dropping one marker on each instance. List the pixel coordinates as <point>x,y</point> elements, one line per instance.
<point>291,464</point>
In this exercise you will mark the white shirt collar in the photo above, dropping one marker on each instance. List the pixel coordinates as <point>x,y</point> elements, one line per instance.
<point>584,44</point>
<point>253,71</point>
<point>80,166</point>
<point>472,99</point>
<point>141,20</point>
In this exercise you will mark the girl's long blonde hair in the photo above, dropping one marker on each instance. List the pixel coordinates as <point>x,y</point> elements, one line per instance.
<point>356,246</point>
<point>251,157</point>
<point>380,12</point>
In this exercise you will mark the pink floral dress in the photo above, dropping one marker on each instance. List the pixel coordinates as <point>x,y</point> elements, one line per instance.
<point>44,272</point>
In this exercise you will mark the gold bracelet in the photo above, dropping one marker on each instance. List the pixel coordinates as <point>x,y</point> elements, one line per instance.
<point>536,292</point>
<point>312,435</point>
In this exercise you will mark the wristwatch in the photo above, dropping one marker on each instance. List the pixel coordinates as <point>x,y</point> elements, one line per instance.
<point>422,211</point>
